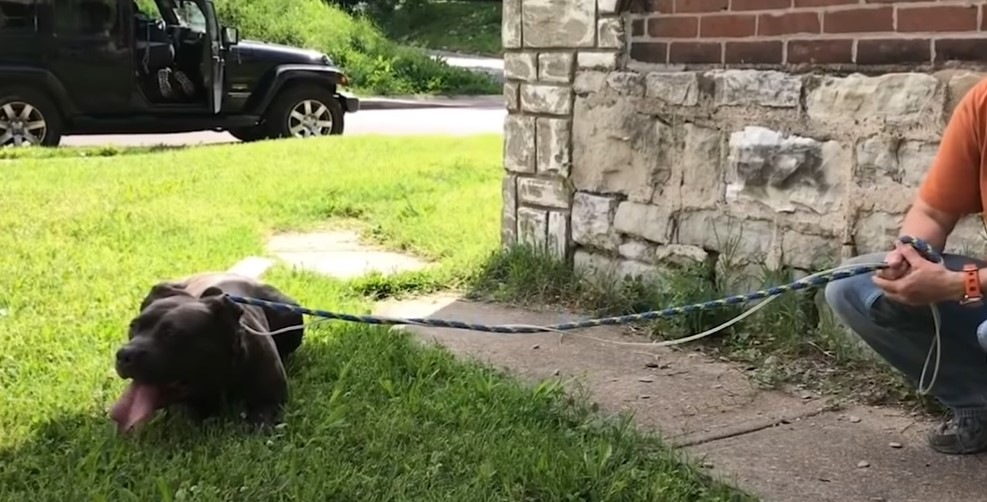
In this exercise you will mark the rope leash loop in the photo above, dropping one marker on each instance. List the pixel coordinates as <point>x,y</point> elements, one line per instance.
<point>813,281</point>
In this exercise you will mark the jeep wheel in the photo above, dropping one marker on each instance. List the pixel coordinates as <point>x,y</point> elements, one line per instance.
<point>248,134</point>
<point>305,111</point>
<point>28,118</point>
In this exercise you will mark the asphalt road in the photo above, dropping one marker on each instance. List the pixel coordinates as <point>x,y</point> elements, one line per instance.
<point>460,119</point>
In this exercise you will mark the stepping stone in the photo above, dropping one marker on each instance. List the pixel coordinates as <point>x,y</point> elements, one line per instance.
<point>252,266</point>
<point>339,254</point>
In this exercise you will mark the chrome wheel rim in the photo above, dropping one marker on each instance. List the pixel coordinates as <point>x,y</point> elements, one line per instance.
<point>21,124</point>
<point>309,118</point>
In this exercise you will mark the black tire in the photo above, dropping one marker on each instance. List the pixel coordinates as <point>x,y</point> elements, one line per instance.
<point>249,134</point>
<point>278,114</point>
<point>42,106</point>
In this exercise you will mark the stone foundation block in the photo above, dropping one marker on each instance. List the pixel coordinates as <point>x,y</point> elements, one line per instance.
<point>746,87</point>
<point>508,213</point>
<point>532,227</point>
<point>559,23</point>
<point>543,192</point>
<point>519,142</point>
<point>681,89</point>
<point>592,220</point>
<point>555,67</point>
<point>894,98</point>
<point>549,99</point>
<point>558,234</point>
<point>786,173</point>
<point>511,100</point>
<point>647,221</point>
<point>553,154</point>
<point>521,66</point>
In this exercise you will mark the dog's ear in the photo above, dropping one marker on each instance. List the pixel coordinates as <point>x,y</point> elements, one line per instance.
<point>217,302</point>
<point>229,312</point>
<point>162,290</point>
<point>212,291</point>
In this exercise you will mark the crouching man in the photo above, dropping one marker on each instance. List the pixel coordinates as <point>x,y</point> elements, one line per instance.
<point>889,309</point>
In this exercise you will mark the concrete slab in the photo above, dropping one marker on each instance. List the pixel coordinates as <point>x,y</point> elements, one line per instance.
<point>882,456</point>
<point>686,396</point>
<point>339,254</point>
<point>777,445</point>
<point>252,266</point>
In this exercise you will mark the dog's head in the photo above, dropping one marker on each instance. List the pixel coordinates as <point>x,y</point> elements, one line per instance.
<point>177,343</point>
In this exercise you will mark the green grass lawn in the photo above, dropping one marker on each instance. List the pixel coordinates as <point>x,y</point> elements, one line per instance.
<point>372,414</point>
<point>467,27</point>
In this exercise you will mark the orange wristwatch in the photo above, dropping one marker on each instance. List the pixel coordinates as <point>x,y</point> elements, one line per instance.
<point>972,295</point>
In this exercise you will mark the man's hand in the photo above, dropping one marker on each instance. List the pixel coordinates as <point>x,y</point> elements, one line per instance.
<point>918,281</point>
<point>897,264</point>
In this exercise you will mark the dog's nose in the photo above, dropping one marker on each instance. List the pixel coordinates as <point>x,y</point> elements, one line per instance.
<point>129,356</point>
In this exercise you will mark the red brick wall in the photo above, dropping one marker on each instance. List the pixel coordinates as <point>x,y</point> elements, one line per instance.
<point>817,32</point>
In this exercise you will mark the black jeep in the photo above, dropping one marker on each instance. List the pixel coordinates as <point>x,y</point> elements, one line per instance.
<point>161,66</point>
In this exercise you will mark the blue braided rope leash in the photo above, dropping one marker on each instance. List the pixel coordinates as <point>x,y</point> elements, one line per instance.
<point>814,281</point>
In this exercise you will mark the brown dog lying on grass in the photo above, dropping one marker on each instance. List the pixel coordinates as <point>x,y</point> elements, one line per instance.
<point>188,347</point>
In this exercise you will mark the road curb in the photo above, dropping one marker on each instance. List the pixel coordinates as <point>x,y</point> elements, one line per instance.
<point>416,102</point>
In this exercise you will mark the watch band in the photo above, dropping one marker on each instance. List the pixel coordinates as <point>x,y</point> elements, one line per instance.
<point>972,293</point>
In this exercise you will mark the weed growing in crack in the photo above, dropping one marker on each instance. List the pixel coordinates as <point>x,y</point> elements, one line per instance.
<point>796,340</point>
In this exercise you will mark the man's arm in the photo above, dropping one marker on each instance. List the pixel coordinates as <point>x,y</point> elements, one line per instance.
<point>951,188</point>
<point>928,223</point>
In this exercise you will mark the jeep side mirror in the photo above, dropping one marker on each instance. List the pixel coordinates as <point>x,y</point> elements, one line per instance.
<point>231,35</point>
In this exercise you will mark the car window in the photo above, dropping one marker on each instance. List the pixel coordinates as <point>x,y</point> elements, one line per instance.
<point>16,15</point>
<point>85,17</point>
<point>191,15</point>
<point>147,8</point>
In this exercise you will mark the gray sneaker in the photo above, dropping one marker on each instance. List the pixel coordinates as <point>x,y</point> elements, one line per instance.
<point>960,435</point>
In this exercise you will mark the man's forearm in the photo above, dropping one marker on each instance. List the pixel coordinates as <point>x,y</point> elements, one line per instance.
<point>934,226</point>
<point>928,224</point>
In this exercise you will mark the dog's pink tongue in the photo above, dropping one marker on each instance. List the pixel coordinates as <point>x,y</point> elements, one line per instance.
<point>136,405</point>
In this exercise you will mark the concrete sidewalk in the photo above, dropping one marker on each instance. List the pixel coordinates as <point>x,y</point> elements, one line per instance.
<point>415,102</point>
<point>779,446</point>
<point>480,64</point>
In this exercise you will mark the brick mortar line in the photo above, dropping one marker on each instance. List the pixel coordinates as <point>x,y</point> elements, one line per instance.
<point>822,37</point>
<point>557,50</point>
<point>543,83</point>
<point>894,17</point>
<point>803,68</point>
<point>820,9</point>
<point>524,113</point>
<point>548,209</point>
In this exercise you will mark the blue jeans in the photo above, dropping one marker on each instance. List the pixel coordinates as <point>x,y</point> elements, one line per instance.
<point>902,335</point>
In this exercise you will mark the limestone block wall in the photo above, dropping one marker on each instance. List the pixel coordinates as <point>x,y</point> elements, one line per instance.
<point>792,132</point>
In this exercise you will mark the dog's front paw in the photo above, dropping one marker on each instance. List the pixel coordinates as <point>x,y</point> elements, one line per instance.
<point>262,416</point>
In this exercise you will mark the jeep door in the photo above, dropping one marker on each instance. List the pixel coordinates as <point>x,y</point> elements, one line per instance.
<point>201,16</point>
<point>20,36</point>
<point>90,54</point>
<point>214,58</point>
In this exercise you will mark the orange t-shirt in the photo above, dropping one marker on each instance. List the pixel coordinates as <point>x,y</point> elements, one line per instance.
<point>956,182</point>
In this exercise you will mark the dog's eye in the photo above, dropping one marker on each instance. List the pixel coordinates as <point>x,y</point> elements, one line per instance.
<point>132,328</point>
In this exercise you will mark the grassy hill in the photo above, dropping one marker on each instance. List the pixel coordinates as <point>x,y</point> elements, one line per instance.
<point>374,63</point>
